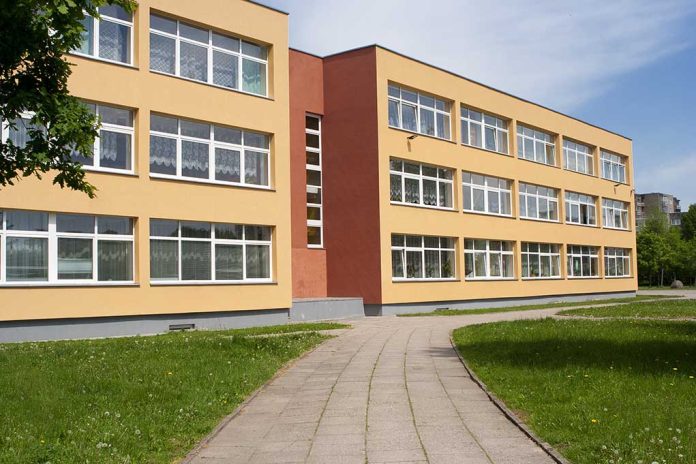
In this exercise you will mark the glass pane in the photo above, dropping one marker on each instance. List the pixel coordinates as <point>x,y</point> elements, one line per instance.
<point>115,260</point>
<point>195,129</point>
<point>74,258</point>
<point>257,233</point>
<point>447,264</point>
<point>164,228</point>
<point>393,113</point>
<point>397,263</point>
<point>475,135</point>
<point>443,126</point>
<point>114,225</point>
<point>313,177</point>
<point>253,77</point>
<point>227,167</point>
<point>427,122</point>
<point>162,53</point>
<point>432,264</point>
<point>26,220</point>
<point>312,122</point>
<point>256,51</point>
<point>87,36</point>
<point>162,24</point>
<point>313,235</point>
<point>408,115</point>
<point>195,229</point>
<point>195,158</point>
<point>115,12</point>
<point>195,260</point>
<point>256,140</point>
<point>313,195</point>
<point>162,155</point>
<point>75,223</point>
<point>490,139</point>
<point>255,168</point>
<point>479,200</point>
<point>312,140</point>
<point>114,150</point>
<point>412,194</point>
<point>223,41</point>
<point>229,232</point>
<point>313,213</point>
<point>414,265</point>
<point>229,262</point>
<point>258,262</point>
<point>430,192</point>
<point>193,61</point>
<point>227,135</point>
<point>26,259</point>
<point>313,158</point>
<point>193,33</point>
<point>480,264</point>
<point>164,259</point>
<point>225,69</point>
<point>114,41</point>
<point>445,197</point>
<point>164,124</point>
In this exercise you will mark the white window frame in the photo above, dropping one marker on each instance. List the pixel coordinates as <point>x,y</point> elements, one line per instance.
<point>471,250</point>
<point>613,164</point>
<point>52,236</point>
<point>420,178</point>
<point>550,199</point>
<point>178,39</point>
<point>422,249</point>
<point>578,151</point>
<point>96,151</point>
<point>575,200</point>
<point>212,145</point>
<point>498,125</point>
<point>553,253</point>
<point>95,38</point>
<point>313,188</point>
<point>441,107</point>
<point>539,139</point>
<point>615,255</point>
<point>582,251</point>
<point>213,243</point>
<point>610,208</point>
<point>488,190</point>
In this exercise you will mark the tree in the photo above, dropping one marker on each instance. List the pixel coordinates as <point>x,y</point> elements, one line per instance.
<point>656,221</point>
<point>37,35</point>
<point>688,221</point>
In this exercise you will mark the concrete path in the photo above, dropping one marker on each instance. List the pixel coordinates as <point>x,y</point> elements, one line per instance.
<point>389,390</point>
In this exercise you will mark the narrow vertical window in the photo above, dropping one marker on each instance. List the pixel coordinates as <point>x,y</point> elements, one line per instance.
<point>315,220</point>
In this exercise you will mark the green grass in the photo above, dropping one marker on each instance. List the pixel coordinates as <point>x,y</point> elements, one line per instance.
<point>686,287</point>
<point>137,399</point>
<point>464,312</point>
<point>599,391</point>
<point>667,309</point>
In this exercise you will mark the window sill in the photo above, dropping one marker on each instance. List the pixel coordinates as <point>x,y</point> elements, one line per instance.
<point>591,226</point>
<point>550,221</point>
<point>316,247</point>
<point>184,283</point>
<point>618,277</point>
<point>583,278</point>
<point>526,279</point>
<point>509,155</point>
<point>616,182</point>
<point>415,205</point>
<point>104,60</point>
<point>490,279</point>
<point>539,163</point>
<point>67,284</point>
<point>399,281</point>
<point>581,173</point>
<point>208,84</point>
<point>434,137</point>
<point>481,213</point>
<point>616,228</point>
<point>209,182</point>
<point>117,172</point>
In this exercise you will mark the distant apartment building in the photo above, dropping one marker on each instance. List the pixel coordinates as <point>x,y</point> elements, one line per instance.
<point>239,179</point>
<point>663,202</point>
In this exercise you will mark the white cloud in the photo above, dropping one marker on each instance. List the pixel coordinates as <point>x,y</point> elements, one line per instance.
<point>674,177</point>
<point>559,53</point>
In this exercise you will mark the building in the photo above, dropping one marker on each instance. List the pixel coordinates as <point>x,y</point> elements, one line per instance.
<point>235,174</point>
<point>668,204</point>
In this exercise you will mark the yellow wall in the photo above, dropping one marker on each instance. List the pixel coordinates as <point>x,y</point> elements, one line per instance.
<point>143,198</point>
<point>400,70</point>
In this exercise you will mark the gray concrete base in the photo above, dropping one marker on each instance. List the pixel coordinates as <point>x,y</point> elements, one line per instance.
<point>98,327</point>
<point>318,309</point>
<point>406,308</point>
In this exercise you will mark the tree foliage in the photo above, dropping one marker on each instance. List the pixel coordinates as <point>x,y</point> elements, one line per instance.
<point>688,221</point>
<point>37,35</point>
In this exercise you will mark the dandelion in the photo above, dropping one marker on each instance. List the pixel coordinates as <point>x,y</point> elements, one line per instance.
<point>594,421</point>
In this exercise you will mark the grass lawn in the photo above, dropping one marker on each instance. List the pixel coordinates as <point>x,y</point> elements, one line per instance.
<point>136,399</point>
<point>666,309</point>
<point>464,312</point>
<point>599,391</point>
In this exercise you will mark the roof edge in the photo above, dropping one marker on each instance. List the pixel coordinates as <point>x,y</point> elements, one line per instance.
<point>268,7</point>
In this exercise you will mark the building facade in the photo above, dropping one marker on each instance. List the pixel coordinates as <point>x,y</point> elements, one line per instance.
<point>663,202</point>
<point>235,174</point>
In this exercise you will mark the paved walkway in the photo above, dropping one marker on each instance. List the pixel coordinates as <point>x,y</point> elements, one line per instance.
<point>389,390</point>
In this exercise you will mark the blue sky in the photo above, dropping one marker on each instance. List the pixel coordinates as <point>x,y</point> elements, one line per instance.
<point>626,65</point>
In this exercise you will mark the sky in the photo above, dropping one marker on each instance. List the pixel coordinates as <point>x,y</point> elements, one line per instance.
<point>625,65</point>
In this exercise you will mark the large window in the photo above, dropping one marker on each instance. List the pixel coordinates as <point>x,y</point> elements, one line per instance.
<point>617,262</point>
<point>487,194</point>
<point>613,167</point>
<point>578,157</point>
<point>110,37</point>
<point>420,184</point>
<point>417,112</point>
<point>39,247</point>
<point>534,145</point>
<point>484,131</point>
<point>194,150</point>
<point>204,252</point>
<point>417,257</point>
<point>537,202</point>
<point>113,149</point>
<point>187,51</point>
<point>541,261</point>
<point>580,209</point>
<point>488,259</point>
<point>315,235</point>
<point>615,214</point>
<point>583,261</point>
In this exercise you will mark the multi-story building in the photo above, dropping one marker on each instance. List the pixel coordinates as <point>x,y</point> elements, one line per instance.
<point>235,174</point>
<point>663,202</point>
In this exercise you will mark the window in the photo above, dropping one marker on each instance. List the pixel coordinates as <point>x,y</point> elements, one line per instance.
<point>613,167</point>
<point>486,194</point>
<point>315,231</point>
<point>194,150</point>
<point>113,149</point>
<point>534,145</point>
<point>110,37</point>
<point>617,262</point>
<point>541,261</point>
<point>580,209</point>
<point>183,251</point>
<point>484,131</point>
<point>65,248</point>
<point>415,257</point>
<point>578,157</point>
<point>583,261</point>
<point>488,259</point>
<point>615,214</point>
<point>537,202</point>
<point>19,131</point>
<point>420,184</point>
<point>417,112</point>
<point>203,55</point>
